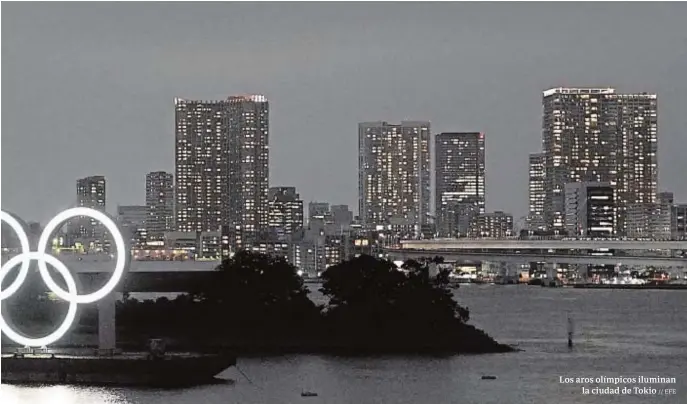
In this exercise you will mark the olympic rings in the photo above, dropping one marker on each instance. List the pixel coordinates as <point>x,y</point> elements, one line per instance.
<point>71,294</point>
<point>71,312</point>
<point>24,244</point>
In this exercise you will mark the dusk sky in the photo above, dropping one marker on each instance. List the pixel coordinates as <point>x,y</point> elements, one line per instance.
<point>88,88</point>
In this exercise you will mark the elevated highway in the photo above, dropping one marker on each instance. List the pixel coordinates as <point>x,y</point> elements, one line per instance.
<point>517,244</point>
<point>143,276</point>
<point>457,255</point>
<point>148,276</point>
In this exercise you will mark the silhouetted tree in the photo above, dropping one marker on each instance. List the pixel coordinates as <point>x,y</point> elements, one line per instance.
<point>259,295</point>
<point>372,302</point>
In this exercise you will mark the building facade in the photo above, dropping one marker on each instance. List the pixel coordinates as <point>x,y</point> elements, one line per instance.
<point>597,135</point>
<point>679,222</point>
<point>222,169</point>
<point>649,220</point>
<point>492,225</point>
<point>133,219</point>
<point>589,210</point>
<point>201,164</point>
<point>285,213</point>
<point>638,153</point>
<point>318,210</point>
<point>459,181</point>
<point>393,172</point>
<point>159,203</point>
<point>537,175</point>
<point>90,193</point>
<point>248,178</point>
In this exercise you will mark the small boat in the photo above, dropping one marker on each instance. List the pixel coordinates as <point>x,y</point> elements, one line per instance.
<point>487,377</point>
<point>308,394</point>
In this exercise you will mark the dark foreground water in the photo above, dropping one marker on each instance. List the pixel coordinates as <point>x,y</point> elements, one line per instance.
<point>618,333</point>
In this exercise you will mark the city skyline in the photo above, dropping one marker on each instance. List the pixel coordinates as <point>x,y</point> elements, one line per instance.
<point>127,132</point>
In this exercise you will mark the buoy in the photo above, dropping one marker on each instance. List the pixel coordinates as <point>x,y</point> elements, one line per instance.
<point>570,332</point>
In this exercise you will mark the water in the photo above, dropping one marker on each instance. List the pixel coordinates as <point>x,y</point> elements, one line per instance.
<point>617,333</point>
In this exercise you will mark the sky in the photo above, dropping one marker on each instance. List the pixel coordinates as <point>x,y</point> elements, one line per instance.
<point>89,88</point>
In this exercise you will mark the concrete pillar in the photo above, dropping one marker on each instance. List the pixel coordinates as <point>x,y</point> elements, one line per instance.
<point>551,270</point>
<point>107,338</point>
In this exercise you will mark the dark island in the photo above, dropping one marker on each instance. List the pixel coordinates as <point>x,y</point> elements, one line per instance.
<point>260,305</point>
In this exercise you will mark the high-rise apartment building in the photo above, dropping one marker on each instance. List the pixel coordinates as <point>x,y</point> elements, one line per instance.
<point>91,193</point>
<point>638,152</point>
<point>597,135</point>
<point>222,168</point>
<point>249,164</point>
<point>535,218</point>
<point>459,180</point>
<point>201,164</point>
<point>159,203</point>
<point>285,213</point>
<point>393,172</point>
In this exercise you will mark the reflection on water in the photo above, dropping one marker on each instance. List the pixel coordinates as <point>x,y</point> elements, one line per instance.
<point>60,395</point>
<point>618,333</point>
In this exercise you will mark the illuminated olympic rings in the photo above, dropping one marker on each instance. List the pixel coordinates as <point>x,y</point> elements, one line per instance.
<point>71,294</point>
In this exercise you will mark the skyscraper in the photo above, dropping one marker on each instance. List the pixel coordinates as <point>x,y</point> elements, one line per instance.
<point>285,213</point>
<point>596,135</point>
<point>248,164</point>
<point>637,153</point>
<point>222,165</point>
<point>535,218</point>
<point>90,193</point>
<point>460,184</point>
<point>393,172</point>
<point>159,203</point>
<point>201,164</point>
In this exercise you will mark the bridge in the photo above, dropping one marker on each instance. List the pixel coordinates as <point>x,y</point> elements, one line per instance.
<point>569,251</point>
<point>147,276</point>
<point>456,255</point>
<point>518,244</point>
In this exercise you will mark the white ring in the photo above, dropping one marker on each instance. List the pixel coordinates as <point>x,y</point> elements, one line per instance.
<point>25,247</point>
<point>122,254</point>
<point>71,296</point>
<point>71,312</point>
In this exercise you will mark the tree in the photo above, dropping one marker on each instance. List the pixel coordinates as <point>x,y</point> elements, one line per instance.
<point>373,302</point>
<point>259,294</point>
